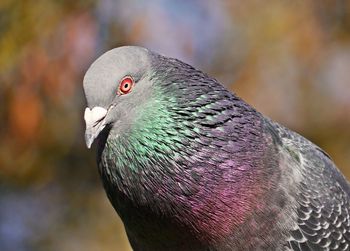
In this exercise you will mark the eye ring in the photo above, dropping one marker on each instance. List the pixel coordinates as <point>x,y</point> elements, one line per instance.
<point>125,86</point>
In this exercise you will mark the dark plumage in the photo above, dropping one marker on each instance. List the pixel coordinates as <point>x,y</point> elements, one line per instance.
<point>190,166</point>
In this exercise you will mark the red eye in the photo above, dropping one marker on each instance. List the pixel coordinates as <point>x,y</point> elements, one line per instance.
<point>126,85</point>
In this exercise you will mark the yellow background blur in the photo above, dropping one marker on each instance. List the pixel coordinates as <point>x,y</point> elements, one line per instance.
<point>289,59</point>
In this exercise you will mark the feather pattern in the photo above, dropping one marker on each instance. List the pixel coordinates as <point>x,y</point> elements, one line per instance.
<point>323,221</point>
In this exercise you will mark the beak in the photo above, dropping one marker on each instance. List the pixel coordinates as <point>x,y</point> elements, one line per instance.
<point>95,122</point>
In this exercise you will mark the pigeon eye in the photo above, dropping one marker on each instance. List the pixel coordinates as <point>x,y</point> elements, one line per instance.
<point>126,85</point>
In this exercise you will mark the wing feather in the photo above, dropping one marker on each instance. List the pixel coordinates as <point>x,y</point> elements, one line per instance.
<point>323,198</point>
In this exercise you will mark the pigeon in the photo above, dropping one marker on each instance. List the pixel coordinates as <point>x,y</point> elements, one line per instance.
<point>188,165</point>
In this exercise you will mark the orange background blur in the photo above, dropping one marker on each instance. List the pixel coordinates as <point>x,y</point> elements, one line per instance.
<point>289,59</point>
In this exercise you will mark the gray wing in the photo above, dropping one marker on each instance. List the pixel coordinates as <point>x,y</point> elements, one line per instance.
<point>323,203</point>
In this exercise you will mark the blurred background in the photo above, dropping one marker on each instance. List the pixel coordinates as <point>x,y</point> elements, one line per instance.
<point>289,59</point>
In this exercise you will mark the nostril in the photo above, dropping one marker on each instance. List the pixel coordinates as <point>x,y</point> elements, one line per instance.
<point>95,115</point>
<point>98,113</point>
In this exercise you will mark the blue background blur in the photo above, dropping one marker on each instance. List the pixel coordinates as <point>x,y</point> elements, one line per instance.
<point>289,59</point>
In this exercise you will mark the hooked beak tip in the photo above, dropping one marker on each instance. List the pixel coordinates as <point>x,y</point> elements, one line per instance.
<point>94,120</point>
<point>92,133</point>
<point>88,142</point>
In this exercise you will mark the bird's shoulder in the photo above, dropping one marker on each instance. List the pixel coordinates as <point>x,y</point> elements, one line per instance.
<point>322,198</point>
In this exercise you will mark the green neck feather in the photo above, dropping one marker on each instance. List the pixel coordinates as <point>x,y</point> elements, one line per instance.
<point>154,134</point>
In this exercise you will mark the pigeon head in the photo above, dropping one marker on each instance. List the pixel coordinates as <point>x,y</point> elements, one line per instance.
<point>115,85</point>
